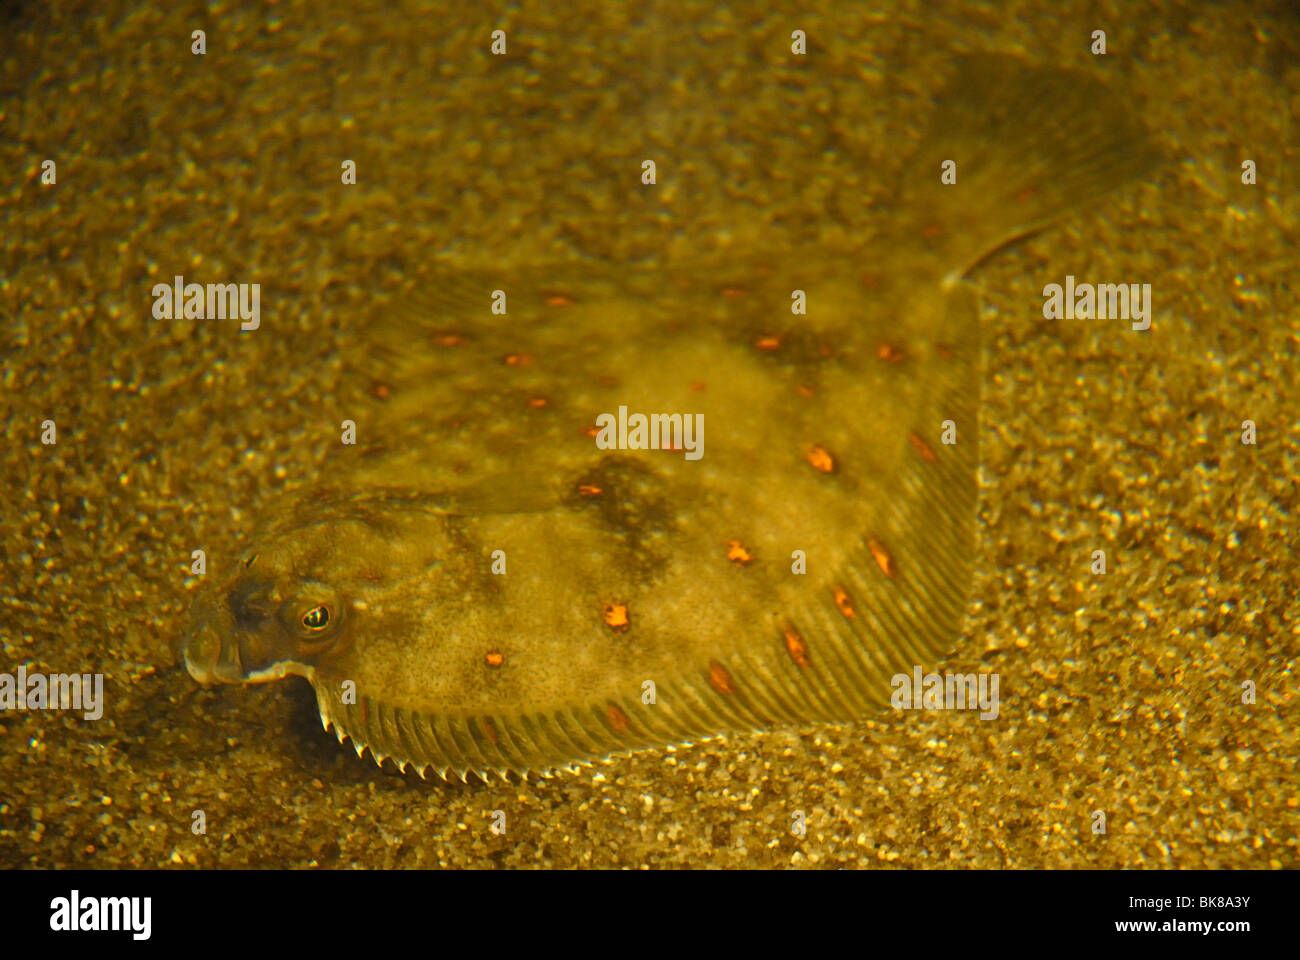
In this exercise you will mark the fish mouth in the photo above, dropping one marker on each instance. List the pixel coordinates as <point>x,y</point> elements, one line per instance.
<point>208,647</point>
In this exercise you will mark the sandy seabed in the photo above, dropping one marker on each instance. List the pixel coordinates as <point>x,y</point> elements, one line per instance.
<point>1120,694</point>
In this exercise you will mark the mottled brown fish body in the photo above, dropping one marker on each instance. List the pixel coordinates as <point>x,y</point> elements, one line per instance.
<point>483,588</point>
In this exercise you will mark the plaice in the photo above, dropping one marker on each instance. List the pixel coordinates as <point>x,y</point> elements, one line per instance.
<point>479,587</point>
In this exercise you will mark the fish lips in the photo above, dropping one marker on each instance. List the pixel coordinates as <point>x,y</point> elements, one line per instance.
<point>208,647</point>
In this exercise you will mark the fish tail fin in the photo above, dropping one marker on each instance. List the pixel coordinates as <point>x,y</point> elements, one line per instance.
<point>1027,144</point>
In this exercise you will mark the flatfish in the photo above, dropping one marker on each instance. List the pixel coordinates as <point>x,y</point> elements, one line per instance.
<point>595,508</point>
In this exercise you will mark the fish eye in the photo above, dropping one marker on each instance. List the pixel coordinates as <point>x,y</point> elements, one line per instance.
<point>313,617</point>
<point>316,619</point>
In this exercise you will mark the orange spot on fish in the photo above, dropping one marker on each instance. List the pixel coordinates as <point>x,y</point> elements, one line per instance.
<point>805,391</point>
<point>589,490</point>
<point>616,617</point>
<point>608,381</point>
<point>820,458</point>
<point>537,402</point>
<point>767,343</point>
<point>719,678</point>
<point>591,431</point>
<point>733,293</point>
<point>449,340</point>
<point>617,718</point>
<point>559,300</point>
<point>737,553</point>
<point>883,558</point>
<point>1025,195</point>
<point>944,350</point>
<point>518,359</point>
<point>380,390</point>
<point>932,232</point>
<point>494,658</point>
<point>490,732</point>
<point>698,386</point>
<point>889,352</point>
<point>844,604</point>
<point>922,448</point>
<point>796,647</point>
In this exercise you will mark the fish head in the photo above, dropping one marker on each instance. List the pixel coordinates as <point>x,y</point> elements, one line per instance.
<point>263,624</point>
<point>301,597</point>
